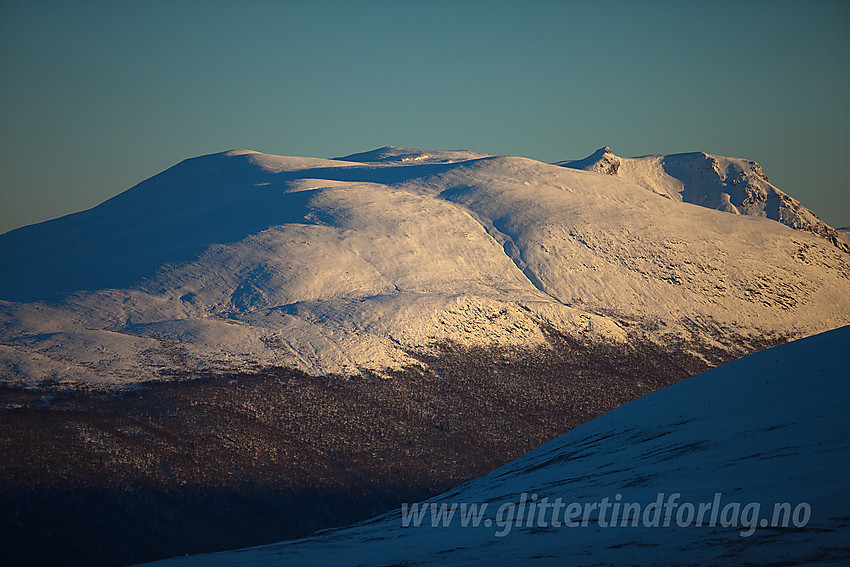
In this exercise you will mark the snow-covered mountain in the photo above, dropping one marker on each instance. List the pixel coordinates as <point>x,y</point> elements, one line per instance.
<point>355,332</point>
<point>742,465</point>
<point>242,260</point>
<point>392,154</point>
<point>732,185</point>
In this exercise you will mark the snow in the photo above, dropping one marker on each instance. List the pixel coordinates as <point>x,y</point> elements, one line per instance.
<point>239,260</point>
<point>731,185</point>
<point>765,429</point>
<point>392,154</point>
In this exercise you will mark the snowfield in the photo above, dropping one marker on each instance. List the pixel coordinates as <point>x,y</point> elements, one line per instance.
<point>766,429</point>
<point>247,348</point>
<point>732,185</point>
<point>241,260</point>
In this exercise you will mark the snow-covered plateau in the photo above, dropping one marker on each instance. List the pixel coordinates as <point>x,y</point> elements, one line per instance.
<point>247,348</point>
<point>241,260</point>
<point>742,465</point>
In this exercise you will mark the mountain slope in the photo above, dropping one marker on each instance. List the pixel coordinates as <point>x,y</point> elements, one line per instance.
<point>241,260</point>
<point>732,185</point>
<point>249,347</point>
<point>765,429</point>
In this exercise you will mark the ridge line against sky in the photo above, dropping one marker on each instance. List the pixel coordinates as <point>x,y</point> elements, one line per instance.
<point>97,96</point>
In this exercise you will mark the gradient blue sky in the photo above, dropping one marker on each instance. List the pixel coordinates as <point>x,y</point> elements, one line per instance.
<point>97,96</point>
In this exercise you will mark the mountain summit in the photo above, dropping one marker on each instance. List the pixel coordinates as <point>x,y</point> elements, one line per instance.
<point>244,260</point>
<point>249,347</point>
<point>732,185</point>
<point>394,155</point>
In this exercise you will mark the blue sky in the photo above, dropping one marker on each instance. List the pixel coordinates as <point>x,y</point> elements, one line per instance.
<point>97,96</point>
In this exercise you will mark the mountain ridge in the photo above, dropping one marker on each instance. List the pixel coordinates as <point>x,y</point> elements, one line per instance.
<point>278,343</point>
<point>349,265</point>
<point>732,185</point>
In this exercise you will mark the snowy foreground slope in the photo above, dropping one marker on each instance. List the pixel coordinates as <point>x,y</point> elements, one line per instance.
<point>770,428</point>
<point>240,261</point>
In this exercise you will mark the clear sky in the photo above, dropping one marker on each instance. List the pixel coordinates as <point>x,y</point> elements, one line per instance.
<point>97,96</point>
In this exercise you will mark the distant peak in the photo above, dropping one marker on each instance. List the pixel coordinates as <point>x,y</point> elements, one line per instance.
<point>410,156</point>
<point>239,152</point>
<point>602,160</point>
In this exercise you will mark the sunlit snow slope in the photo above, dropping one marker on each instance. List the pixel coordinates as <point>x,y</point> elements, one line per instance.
<point>243,260</point>
<point>769,428</point>
<point>732,185</point>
